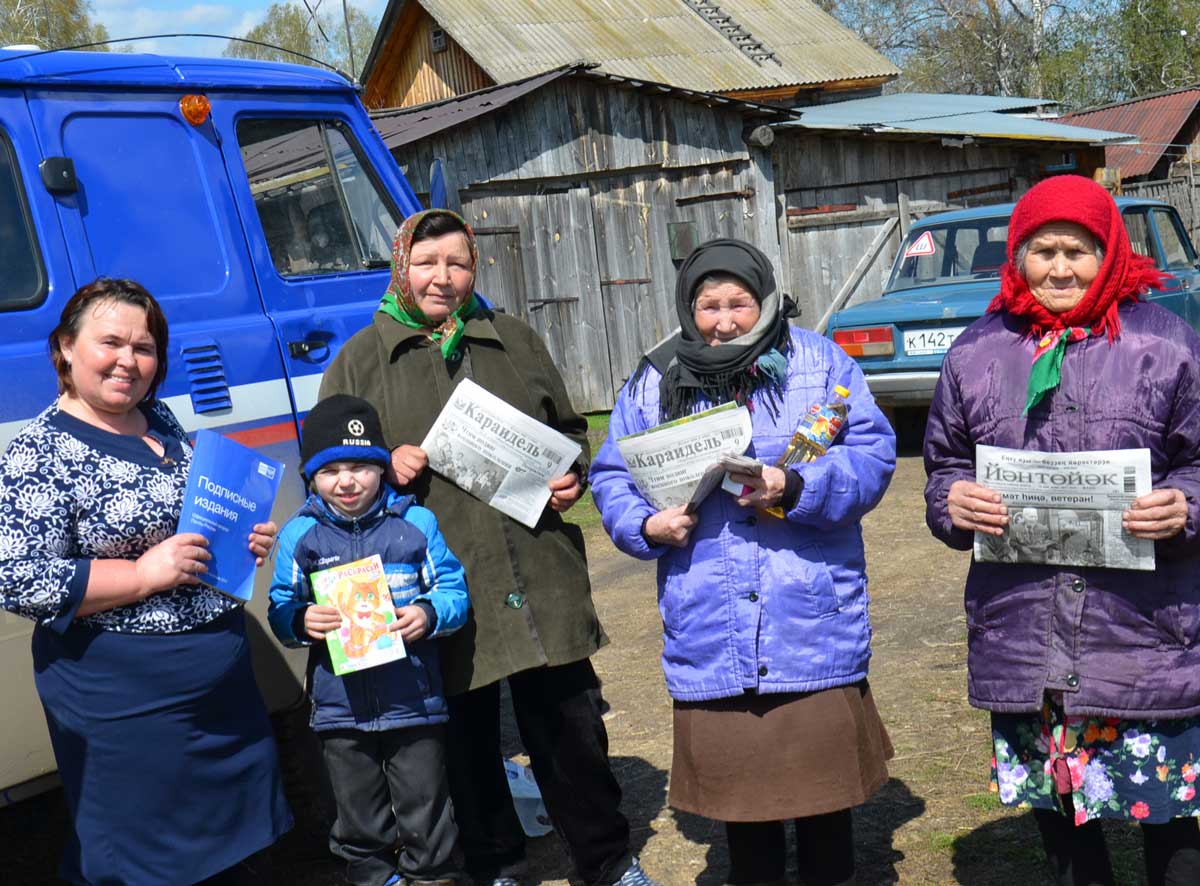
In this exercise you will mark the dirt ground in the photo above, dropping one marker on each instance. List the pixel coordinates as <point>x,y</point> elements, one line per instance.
<point>934,823</point>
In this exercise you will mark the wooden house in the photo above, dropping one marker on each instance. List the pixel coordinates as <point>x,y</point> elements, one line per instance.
<point>779,51</point>
<point>585,189</point>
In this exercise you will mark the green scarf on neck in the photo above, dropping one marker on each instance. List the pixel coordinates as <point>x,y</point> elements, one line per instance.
<point>447,336</point>
<point>1046,372</point>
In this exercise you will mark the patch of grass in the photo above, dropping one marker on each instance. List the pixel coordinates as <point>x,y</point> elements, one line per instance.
<point>584,514</point>
<point>984,802</point>
<point>598,422</point>
<point>942,843</point>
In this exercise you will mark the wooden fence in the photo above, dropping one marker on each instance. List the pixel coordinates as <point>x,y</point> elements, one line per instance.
<point>1180,192</point>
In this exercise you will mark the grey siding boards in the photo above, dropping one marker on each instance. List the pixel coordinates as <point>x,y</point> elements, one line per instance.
<point>571,189</point>
<point>836,193</point>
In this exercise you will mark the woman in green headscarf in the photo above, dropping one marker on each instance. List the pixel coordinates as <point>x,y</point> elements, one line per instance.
<point>532,619</point>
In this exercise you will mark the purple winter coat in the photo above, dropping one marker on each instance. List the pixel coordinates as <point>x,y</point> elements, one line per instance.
<point>1115,642</point>
<point>758,603</point>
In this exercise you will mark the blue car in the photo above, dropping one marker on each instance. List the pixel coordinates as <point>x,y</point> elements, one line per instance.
<point>947,272</point>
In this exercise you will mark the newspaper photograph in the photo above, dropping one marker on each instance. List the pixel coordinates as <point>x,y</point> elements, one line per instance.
<point>1064,508</point>
<point>497,453</point>
<point>669,462</point>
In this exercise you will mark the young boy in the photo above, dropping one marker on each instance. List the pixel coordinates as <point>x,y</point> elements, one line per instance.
<point>382,729</point>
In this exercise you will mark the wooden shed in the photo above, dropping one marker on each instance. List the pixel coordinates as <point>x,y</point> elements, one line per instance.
<point>785,51</point>
<point>585,189</point>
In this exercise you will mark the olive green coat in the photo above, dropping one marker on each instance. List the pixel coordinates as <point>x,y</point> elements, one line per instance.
<point>531,601</point>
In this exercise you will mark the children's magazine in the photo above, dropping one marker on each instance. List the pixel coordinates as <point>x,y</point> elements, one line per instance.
<point>359,591</point>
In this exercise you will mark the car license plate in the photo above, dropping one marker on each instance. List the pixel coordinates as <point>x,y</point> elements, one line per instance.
<point>930,341</point>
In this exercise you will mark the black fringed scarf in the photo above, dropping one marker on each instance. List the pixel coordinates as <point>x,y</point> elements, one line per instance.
<point>696,373</point>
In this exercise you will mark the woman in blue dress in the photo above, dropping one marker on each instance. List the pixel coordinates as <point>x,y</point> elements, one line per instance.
<point>166,755</point>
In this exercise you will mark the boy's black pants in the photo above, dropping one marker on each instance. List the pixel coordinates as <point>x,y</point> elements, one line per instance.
<point>391,790</point>
<point>558,715</point>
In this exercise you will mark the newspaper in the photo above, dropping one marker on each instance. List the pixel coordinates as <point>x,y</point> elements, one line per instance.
<point>680,462</point>
<point>497,453</point>
<point>1065,508</point>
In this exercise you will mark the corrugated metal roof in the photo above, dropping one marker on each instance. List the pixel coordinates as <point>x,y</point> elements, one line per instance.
<point>913,106</point>
<point>400,126</point>
<point>1157,121</point>
<point>661,40</point>
<point>989,124</point>
<point>979,116</point>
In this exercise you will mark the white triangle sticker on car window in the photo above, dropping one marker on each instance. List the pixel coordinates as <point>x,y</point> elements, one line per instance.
<point>923,245</point>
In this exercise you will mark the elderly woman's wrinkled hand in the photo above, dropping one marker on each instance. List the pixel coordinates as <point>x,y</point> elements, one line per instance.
<point>261,540</point>
<point>767,489</point>
<point>1156,515</point>
<point>408,463</point>
<point>974,507</point>
<point>178,560</point>
<point>670,527</point>
<point>564,492</point>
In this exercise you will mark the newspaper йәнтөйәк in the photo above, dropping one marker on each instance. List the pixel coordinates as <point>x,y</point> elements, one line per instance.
<point>1064,508</point>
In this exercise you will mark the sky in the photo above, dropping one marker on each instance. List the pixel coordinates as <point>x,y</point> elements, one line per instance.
<point>131,18</point>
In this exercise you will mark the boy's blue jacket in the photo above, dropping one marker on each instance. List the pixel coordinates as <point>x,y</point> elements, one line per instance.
<point>419,568</point>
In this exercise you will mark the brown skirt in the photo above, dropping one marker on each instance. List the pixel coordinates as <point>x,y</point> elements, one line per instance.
<point>775,757</point>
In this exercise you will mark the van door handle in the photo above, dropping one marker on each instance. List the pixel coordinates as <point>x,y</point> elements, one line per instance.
<point>306,347</point>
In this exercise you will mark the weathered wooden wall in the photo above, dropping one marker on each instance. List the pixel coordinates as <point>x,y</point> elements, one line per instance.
<point>410,73</point>
<point>571,190</point>
<point>835,193</point>
<point>577,127</point>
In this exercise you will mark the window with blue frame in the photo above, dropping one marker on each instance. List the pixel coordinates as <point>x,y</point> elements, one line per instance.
<point>322,210</point>
<point>22,275</point>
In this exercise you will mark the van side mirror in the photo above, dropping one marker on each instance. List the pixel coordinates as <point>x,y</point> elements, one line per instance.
<point>58,175</point>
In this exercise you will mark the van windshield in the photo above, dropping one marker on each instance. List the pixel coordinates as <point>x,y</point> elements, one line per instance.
<point>933,255</point>
<point>316,222</point>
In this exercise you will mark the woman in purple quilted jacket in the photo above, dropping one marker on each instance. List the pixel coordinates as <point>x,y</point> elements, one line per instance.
<point>765,631</point>
<point>1092,674</point>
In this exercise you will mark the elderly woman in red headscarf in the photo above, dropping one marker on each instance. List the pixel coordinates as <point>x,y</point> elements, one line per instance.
<point>1092,674</point>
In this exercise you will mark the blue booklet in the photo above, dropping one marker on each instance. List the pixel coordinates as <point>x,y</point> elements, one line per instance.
<point>230,488</point>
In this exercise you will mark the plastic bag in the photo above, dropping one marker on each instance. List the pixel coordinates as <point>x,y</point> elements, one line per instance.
<point>527,799</point>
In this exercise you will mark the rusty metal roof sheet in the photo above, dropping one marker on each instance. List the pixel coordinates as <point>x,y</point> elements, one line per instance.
<point>667,41</point>
<point>400,126</point>
<point>1156,120</point>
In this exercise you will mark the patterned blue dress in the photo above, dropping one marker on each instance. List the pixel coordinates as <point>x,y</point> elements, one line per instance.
<point>166,755</point>
<point>1137,770</point>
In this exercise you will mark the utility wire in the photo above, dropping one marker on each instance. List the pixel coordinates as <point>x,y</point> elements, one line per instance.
<point>315,61</point>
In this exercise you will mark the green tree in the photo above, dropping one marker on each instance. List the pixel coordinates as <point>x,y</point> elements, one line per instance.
<point>1156,41</point>
<point>50,24</point>
<point>1079,52</point>
<point>320,34</point>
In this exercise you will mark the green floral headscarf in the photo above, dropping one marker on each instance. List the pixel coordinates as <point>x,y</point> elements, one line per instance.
<point>398,302</point>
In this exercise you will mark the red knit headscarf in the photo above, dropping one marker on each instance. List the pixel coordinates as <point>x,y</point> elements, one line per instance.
<point>1124,275</point>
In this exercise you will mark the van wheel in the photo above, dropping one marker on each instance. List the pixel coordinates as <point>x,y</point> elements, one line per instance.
<point>909,424</point>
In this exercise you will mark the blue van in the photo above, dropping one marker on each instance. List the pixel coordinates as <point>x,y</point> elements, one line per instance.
<point>254,200</point>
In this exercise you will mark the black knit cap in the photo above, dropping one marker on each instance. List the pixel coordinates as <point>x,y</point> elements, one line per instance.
<point>341,428</point>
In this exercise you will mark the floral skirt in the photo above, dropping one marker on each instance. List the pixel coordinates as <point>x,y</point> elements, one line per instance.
<point>1139,770</point>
